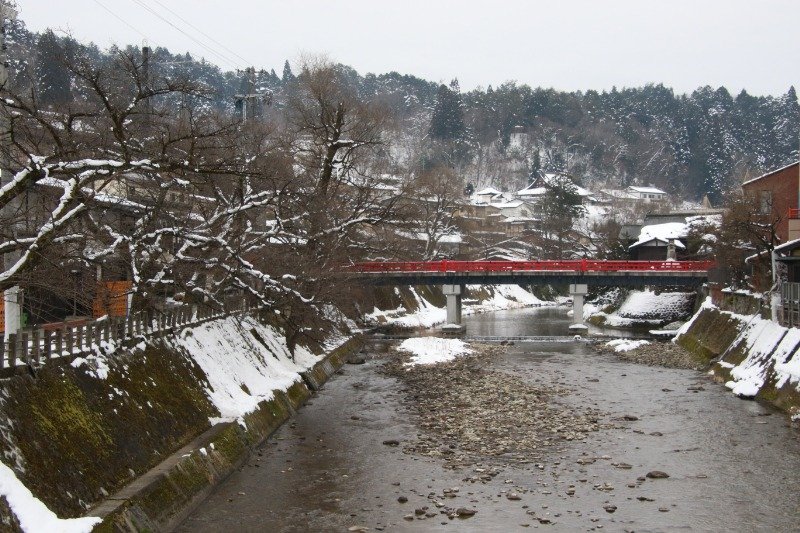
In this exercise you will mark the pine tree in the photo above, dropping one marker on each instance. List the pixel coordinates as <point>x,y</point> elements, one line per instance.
<point>560,206</point>
<point>447,121</point>
<point>54,79</point>
<point>287,72</point>
<point>786,127</point>
<point>536,167</point>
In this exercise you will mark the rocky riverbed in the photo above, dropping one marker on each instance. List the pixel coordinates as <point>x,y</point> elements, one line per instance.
<point>657,353</point>
<point>474,417</point>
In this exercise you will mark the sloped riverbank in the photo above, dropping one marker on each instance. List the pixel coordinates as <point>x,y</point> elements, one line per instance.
<point>96,437</point>
<point>754,357</point>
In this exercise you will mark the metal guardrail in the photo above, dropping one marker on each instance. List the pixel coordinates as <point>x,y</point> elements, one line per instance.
<point>36,346</point>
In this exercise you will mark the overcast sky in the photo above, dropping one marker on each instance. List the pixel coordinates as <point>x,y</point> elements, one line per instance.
<point>566,44</point>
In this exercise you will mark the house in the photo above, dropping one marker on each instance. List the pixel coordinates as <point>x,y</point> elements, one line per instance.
<point>487,195</point>
<point>776,196</point>
<point>668,239</point>
<point>536,191</point>
<point>659,242</point>
<point>649,193</point>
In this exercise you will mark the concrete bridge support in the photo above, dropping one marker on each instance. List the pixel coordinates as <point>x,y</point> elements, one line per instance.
<point>578,292</point>
<point>453,294</point>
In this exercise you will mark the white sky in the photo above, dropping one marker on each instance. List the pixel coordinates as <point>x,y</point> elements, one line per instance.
<point>566,44</point>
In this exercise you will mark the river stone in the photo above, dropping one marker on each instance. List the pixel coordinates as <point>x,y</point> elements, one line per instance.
<point>610,508</point>
<point>402,499</point>
<point>463,512</point>
<point>392,442</point>
<point>657,474</point>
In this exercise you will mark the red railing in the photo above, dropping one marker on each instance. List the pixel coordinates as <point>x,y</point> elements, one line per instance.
<point>794,213</point>
<point>578,265</point>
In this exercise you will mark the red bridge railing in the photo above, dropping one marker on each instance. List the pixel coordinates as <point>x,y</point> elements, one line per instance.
<point>578,265</point>
<point>794,213</point>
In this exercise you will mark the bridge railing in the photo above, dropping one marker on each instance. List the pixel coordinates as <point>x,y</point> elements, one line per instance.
<point>573,265</point>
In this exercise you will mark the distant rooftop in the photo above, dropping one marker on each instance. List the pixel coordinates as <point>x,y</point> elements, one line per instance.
<point>646,190</point>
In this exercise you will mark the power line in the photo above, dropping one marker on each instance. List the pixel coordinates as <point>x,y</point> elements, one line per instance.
<point>208,48</point>
<point>128,24</point>
<point>202,32</point>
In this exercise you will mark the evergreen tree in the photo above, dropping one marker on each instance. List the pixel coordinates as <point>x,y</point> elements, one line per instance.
<point>786,129</point>
<point>53,77</point>
<point>287,72</point>
<point>447,121</point>
<point>536,167</point>
<point>560,207</point>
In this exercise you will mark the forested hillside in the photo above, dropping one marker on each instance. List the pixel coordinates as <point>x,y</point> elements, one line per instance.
<point>689,144</point>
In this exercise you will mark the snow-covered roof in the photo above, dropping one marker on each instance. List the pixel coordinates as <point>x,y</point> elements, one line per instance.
<point>617,193</point>
<point>790,245</point>
<point>646,190</point>
<point>770,173</point>
<point>516,220</point>
<point>488,191</point>
<point>551,180</point>
<point>452,238</point>
<point>534,191</point>
<point>507,205</point>
<point>662,233</point>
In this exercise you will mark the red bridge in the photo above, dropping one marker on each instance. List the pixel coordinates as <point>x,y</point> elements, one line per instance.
<point>577,265</point>
<point>579,274</point>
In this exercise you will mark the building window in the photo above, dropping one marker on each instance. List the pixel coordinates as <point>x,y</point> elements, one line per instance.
<point>766,202</point>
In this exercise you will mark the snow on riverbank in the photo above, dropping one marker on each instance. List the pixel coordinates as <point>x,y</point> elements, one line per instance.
<point>432,350</point>
<point>771,354</point>
<point>244,361</point>
<point>427,314</point>
<point>626,345</point>
<point>645,308</point>
<point>32,514</point>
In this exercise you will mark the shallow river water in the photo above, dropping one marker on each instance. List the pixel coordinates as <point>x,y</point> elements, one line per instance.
<point>733,465</point>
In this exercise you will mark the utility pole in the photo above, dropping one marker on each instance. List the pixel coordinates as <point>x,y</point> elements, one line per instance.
<point>12,298</point>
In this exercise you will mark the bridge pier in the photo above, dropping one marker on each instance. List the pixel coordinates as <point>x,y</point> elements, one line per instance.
<point>453,294</point>
<point>578,291</point>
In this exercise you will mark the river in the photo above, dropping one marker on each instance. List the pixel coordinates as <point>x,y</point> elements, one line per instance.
<point>733,465</point>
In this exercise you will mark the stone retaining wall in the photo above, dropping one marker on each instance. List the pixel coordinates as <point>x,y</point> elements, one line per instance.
<point>106,446</point>
<point>753,356</point>
<point>162,499</point>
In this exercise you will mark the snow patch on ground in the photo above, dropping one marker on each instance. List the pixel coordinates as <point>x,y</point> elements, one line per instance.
<point>33,515</point>
<point>645,307</point>
<point>243,368</point>
<point>626,345</point>
<point>428,315</point>
<point>432,350</point>
<point>761,337</point>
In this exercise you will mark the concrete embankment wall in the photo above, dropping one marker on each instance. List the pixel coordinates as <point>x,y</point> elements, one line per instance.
<point>139,435</point>
<point>755,357</point>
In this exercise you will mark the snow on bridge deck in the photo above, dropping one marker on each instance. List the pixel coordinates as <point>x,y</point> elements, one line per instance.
<point>594,272</point>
